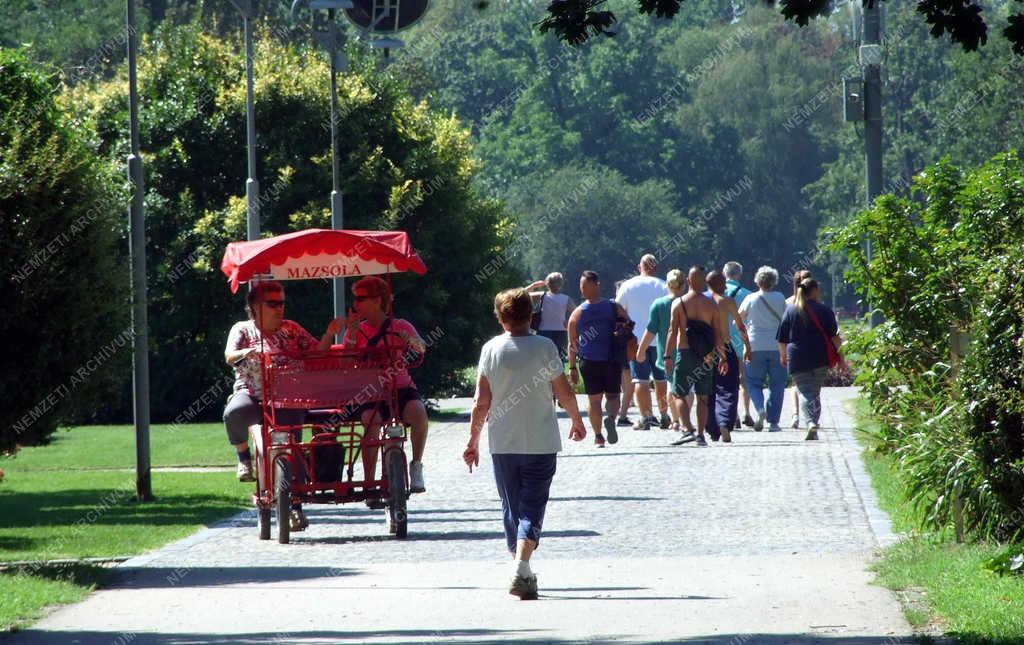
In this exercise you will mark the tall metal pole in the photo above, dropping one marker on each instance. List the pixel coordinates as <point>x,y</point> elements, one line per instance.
<point>137,252</point>
<point>871,59</point>
<point>252,186</point>
<point>337,207</point>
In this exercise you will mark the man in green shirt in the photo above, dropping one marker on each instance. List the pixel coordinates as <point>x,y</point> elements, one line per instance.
<point>657,332</point>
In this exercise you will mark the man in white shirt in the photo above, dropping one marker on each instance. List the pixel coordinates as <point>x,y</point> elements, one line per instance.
<point>636,295</point>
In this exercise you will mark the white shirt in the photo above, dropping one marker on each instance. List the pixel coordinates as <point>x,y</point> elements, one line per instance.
<point>636,295</point>
<point>519,370</point>
<point>761,324</point>
<point>553,311</point>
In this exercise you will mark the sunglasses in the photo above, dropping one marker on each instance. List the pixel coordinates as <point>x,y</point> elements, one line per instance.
<point>362,298</point>
<point>274,304</point>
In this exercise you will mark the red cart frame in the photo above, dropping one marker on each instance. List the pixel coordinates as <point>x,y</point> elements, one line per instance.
<point>334,387</point>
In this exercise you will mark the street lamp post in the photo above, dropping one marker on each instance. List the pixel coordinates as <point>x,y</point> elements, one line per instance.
<point>252,186</point>
<point>137,252</point>
<point>329,37</point>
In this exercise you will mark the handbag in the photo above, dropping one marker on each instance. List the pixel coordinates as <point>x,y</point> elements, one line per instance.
<point>535,319</point>
<point>624,343</point>
<point>834,357</point>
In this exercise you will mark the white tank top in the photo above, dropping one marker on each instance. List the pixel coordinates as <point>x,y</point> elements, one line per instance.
<point>553,311</point>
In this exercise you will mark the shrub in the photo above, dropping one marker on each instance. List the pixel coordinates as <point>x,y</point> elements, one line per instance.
<point>65,320</point>
<point>947,259</point>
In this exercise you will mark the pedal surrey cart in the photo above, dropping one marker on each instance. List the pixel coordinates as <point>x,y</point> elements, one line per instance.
<point>334,388</point>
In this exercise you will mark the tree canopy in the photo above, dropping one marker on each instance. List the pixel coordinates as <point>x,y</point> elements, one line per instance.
<point>576,21</point>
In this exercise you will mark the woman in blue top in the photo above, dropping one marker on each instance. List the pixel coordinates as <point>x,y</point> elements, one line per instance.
<point>805,329</point>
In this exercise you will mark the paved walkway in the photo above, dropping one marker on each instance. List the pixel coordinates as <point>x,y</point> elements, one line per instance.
<point>762,541</point>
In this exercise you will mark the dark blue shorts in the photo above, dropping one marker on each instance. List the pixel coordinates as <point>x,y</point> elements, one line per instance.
<point>642,372</point>
<point>524,482</point>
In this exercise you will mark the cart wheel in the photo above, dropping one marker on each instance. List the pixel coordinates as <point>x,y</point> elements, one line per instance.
<point>263,522</point>
<point>283,488</point>
<point>396,518</point>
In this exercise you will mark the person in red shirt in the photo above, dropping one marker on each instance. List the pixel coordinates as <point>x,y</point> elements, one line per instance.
<point>373,306</point>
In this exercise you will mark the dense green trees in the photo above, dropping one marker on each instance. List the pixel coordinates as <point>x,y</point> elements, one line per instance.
<point>65,315</point>
<point>717,114</point>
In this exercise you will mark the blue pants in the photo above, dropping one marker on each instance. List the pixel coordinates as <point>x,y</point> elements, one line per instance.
<point>762,366</point>
<point>723,400</point>
<point>727,390</point>
<point>524,482</point>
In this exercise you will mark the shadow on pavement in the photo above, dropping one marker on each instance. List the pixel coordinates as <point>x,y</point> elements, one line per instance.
<point>185,577</point>
<point>612,452</point>
<point>423,536</point>
<point>606,498</point>
<point>477,636</point>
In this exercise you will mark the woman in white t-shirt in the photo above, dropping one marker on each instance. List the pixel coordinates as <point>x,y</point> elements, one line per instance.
<point>762,313</point>
<point>516,376</point>
<point>554,307</point>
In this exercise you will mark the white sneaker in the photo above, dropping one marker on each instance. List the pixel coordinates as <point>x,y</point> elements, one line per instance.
<point>796,422</point>
<point>244,472</point>
<point>416,484</point>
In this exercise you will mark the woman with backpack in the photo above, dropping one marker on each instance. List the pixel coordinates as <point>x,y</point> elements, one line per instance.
<point>551,311</point>
<point>809,343</point>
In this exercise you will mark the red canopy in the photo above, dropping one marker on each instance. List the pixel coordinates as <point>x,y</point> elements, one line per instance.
<point>320,253</point>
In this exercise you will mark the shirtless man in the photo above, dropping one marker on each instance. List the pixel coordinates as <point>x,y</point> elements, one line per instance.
<point>695,333</point>
<point>727,385</point>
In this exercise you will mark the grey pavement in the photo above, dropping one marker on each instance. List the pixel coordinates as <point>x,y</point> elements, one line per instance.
<point>766,540</point>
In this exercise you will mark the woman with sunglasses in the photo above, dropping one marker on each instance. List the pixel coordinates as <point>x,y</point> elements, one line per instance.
<point>370,323</point>
<point>265,309</point>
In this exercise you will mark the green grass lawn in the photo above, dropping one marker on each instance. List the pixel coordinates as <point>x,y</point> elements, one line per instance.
<point>947,582</point>
<point>97,447</point>
<point>75,499</point>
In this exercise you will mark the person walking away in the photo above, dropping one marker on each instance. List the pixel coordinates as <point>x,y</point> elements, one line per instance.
<point>516,376</point>
<point>555,308</point>
<point>727,385</point>
<point>734,289</point>
<point>762,312</point>
<point>657,332</point>
<point>590,327</point>
<point>798,277</point>
<point>636,296</point>
<point>695,337</point>
<point>807,330</point>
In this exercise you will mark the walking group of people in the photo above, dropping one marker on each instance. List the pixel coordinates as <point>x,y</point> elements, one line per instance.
<point>689,333</point>
<point>705,341</point>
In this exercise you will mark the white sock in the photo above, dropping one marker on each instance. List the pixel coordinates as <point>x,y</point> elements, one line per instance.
<point>523,568</point>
